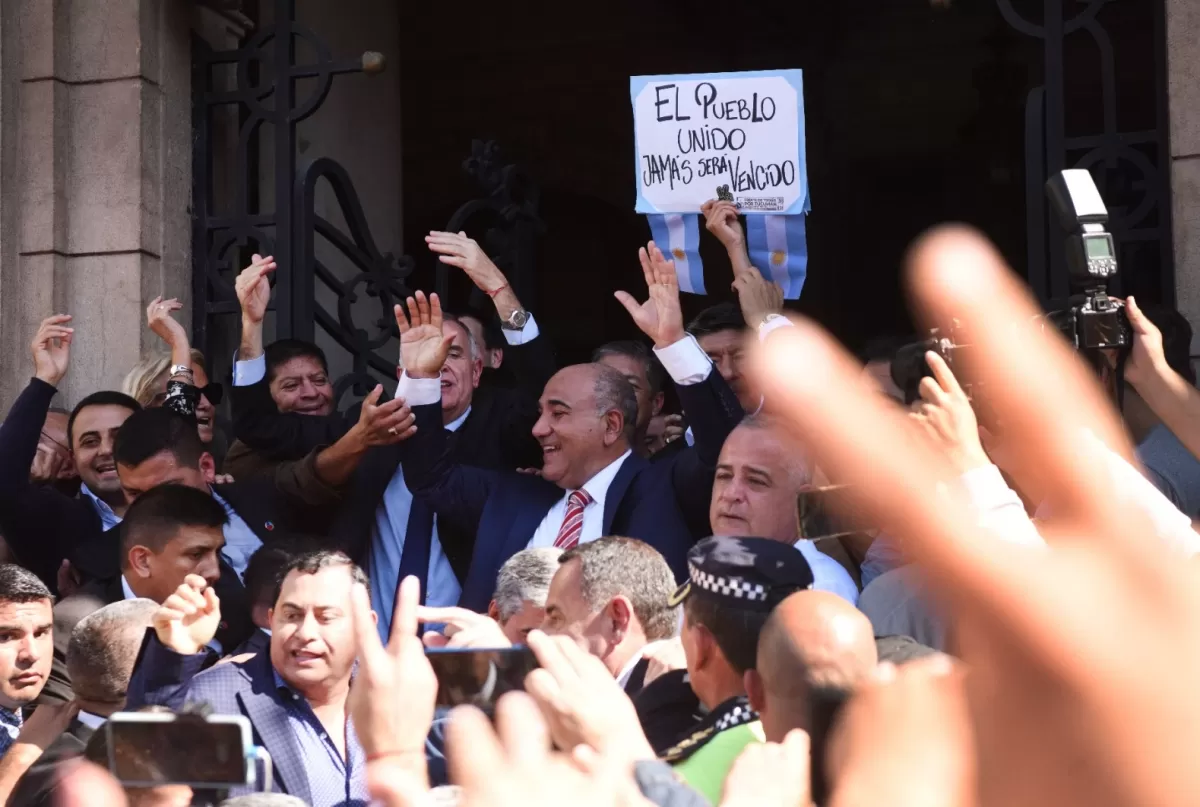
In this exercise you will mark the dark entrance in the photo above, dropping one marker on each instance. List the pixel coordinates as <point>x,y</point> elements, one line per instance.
<point>918,112</point>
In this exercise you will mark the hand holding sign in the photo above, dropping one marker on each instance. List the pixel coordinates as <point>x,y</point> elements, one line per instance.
<point>660,317</point>
<point>721,219</point>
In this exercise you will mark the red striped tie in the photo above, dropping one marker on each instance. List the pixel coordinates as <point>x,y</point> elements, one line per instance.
<point>572,526</point>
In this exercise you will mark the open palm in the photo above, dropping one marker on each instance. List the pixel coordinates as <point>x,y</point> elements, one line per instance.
<point>423,345</point>
<point>660,317</point>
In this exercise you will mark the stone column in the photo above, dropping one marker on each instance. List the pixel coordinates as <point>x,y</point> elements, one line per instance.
<point>95,179</point>
<point>1183,62</point>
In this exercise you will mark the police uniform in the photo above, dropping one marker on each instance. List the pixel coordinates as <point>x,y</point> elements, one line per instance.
<point>748,574</point>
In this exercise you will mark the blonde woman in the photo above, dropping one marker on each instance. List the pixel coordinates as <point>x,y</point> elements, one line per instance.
<point>179,380</point>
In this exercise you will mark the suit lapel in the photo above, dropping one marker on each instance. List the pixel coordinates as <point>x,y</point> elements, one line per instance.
<point>270,720</point>
<point>620,484</point>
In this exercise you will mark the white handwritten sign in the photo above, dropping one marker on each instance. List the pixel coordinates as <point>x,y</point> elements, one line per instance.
<point>730,135</point>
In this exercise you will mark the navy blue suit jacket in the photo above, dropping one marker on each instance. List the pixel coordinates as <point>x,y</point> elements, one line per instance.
<point>654,502</point>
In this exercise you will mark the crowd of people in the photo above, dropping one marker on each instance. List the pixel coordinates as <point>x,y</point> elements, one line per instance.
<point>811,585</point>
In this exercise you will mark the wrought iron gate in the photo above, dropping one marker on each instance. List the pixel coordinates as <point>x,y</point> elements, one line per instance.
<point>1132,168</point>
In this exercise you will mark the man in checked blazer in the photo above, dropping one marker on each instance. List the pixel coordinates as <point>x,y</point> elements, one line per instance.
<point>294,695</point>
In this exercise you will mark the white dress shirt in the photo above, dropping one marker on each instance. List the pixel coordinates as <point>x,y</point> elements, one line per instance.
<point>828,574</point>
<point>126,590</point>
<point>627,671</point>
<point>593,514</point>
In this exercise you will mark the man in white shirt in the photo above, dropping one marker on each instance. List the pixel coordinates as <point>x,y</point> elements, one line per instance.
<point>591,483</point>
<point>759,478</point>
<point>611,598</point>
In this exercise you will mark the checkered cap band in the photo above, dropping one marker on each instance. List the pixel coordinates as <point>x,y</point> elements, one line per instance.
<point>733,587</point>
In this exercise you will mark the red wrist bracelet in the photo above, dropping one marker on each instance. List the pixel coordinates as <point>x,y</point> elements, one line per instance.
<point>496,291</point>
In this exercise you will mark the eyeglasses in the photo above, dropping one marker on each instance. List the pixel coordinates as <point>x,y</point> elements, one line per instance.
<point>52,440</point>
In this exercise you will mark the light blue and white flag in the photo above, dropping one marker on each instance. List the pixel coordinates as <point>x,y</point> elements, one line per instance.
<point>678,236</point>
<point>778,246</point>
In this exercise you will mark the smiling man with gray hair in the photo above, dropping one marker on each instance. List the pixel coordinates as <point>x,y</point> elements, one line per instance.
<point>519,604</point>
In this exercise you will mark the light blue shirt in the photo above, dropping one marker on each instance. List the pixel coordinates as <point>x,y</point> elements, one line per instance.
<point>107,517</point>
<point>828,574</point>
<point>240,540</point>
<point>387,546</point>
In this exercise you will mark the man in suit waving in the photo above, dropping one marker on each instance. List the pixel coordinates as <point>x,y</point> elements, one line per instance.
<point>592,484</point>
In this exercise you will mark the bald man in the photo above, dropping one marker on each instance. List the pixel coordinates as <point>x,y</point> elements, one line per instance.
<point>815,645</point>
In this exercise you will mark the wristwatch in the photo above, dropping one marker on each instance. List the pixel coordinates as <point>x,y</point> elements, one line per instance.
<point>516,320</point>
<point>180,369</point>
<point>770,318</point>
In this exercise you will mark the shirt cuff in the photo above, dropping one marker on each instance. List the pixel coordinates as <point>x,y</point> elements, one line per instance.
<point>250,372</point>
<point>419,391</point>
<point>527,334</point>
<point>771,325</point>
<point>686,362</point>
<point>998,508</point>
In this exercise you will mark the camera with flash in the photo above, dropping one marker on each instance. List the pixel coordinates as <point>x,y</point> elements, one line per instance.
<point>1092,320</point>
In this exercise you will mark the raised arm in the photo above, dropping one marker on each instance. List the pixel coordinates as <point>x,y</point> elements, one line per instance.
<point>529,353</point>
<point>723,220</point>
<point>175,650</point>
<point>1168,394</point>
<point>183,396</point>
<point>454,491</point>
<point>31,516</point>
<point>257,421</point>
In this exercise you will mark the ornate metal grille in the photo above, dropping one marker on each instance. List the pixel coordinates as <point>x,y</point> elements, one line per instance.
<point>1131,167</point>
<point>271,94</point>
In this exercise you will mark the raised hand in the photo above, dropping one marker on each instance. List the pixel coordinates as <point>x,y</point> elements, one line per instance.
<point>757,296</point>
<point>163,325</point>
<point>945,415</point>
<point>52,349</point>
<point>455,249</point>
<point>423,344</point>
<point>392,698</point>
<point>253,288</point>
<point>1035,627</point>
<point>511,765</point>
<point>189,618</point>
<point>583,704</point>
<point>464,628</point>
<point>771,775</point>
<point>660,317</point>
<point>722,220</point>
<point>1147,361</point>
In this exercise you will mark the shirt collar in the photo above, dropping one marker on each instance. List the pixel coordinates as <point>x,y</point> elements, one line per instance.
<point>627,671</point>
<point>90,720</point>
<point>126,590</point>
<point>597,487</point>
<point>455,424</point>
<point>107,517</point>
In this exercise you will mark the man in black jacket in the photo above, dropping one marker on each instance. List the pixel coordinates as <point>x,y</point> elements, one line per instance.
<point>379,524</point>
<point>41,525</point>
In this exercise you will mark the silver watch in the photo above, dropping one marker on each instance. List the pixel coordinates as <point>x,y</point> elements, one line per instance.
<point>516,321</point>
<point>180,369</point>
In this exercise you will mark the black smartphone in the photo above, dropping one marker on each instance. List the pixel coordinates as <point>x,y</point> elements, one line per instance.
<point>479,677</point>
<point>147,749</point>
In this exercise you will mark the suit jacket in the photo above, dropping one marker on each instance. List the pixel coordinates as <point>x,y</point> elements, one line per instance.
<point>37,788</point>
<point>165,678</point>
<point>497,434</point>
<point>668,709</point>
<point>654,502</point>
<point>41,525</point>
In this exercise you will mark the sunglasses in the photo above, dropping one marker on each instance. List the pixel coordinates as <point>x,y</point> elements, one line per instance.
<point>214,392</point>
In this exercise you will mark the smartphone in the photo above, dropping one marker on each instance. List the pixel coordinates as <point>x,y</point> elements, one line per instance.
<point>147,749</point>
<point>479,677</point>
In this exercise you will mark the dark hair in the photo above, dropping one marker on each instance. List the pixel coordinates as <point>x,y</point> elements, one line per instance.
<point>1176,337</point>
<point>18,584</point>
<point>734,630</point>
<point>151,432</point>
<point>281,351</point>
<point>155,517</point>
<point>716,318</point>
<point>313,562</point>
<point>106,397</point>
<point>267,565</point>
<point>615,566</point>
<point>613,391</point>
<point>656,375</point>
